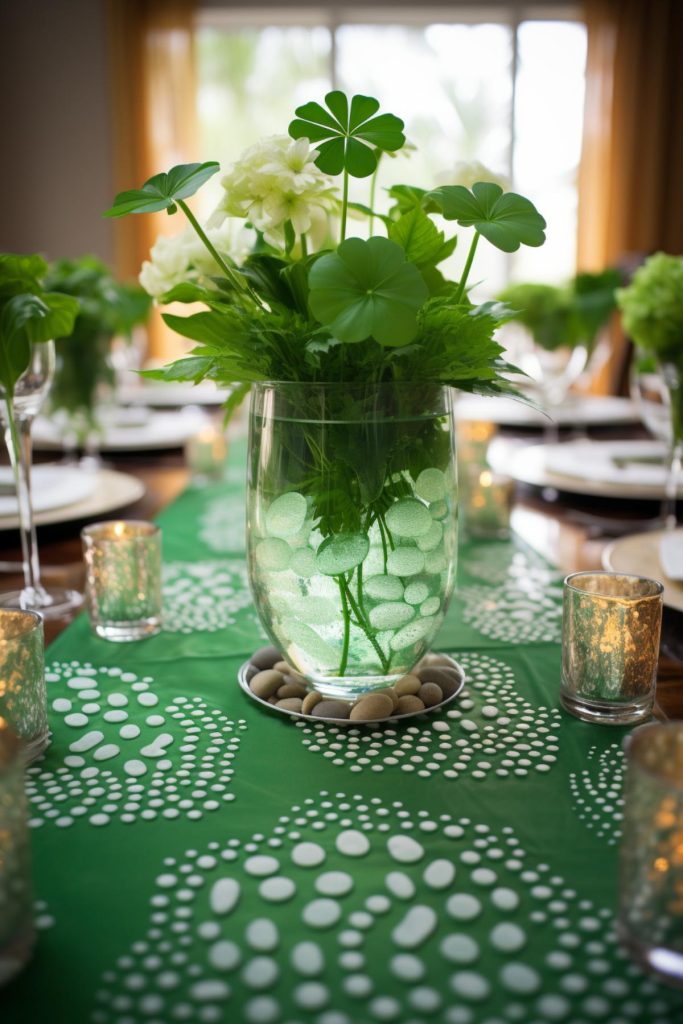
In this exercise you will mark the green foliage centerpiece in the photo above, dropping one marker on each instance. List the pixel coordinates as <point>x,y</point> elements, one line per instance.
<point>350,346</point>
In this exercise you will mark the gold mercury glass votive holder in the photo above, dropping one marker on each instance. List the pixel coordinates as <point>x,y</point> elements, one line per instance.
<point>17,934</point>
<point>651,856</point>
<point>610,646</point>
<point>123,579</point>
<point>486,503</point>
<point>23,697</point>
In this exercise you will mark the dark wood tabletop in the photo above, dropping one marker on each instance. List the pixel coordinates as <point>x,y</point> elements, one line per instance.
<point>570,533</point>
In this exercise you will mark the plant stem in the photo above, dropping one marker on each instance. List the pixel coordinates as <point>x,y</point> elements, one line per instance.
<point>304,245</point>
<point>345,203</point>
<point>347,626</point>
<point>373,187</point>
<point>467,267</point>
<point>236,281</point>
<point>384,542</point>
<point>365,626</point>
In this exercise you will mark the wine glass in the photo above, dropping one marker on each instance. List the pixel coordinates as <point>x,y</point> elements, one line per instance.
<point>29,394</point>
<point>657,390</point>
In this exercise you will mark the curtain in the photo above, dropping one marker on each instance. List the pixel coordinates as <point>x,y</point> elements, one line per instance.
<point>630,194</point>
<point>155,122</point>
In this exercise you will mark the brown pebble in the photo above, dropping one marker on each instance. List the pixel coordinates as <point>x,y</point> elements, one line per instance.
<point>448,679</point>
<point>250,671</point>
<point>291,690</point>
<point>310,700</point>
<point>284,667</point>
<point>265,657</point>
<point>331,709</point>
<point>372,706</point>
<point>290,704</point>
<point>430,694</point>
<point>408,704</point>
<point>265,684</point>
<point>435,660</point>
<point>391,694</point>
<point>294,677</point>
<point>407,684</point>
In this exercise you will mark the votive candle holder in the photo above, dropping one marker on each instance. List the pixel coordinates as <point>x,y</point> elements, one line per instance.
<point>206,452</point>
<point>651,855</point>
<point>123,579</point>
<point>611,626</point>
<point>17,931</point>
<point>23,697</point>
<point>486,503</point>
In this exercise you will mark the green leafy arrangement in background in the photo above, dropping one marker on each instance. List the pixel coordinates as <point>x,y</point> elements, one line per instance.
<point>367,310</point>
<point>106,308</point>
<point>564,316</point>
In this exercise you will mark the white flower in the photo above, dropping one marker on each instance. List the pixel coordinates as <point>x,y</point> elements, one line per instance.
<point>275,181</point>
<point>184,257</point>
<point>468,172</point>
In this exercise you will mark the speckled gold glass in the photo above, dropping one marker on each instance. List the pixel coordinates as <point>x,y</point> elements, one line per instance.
<point>123,579</point>
<point>610,646</point>
<point>16,894</point>
<point>651,880</point>
<point>23,700</point>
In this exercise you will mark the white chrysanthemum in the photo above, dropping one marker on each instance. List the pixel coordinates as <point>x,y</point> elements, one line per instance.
<point>184,257</point>
<point>276,180</point>
<point>468,172</point>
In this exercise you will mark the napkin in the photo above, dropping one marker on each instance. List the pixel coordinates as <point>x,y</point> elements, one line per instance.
<point>671,554</point>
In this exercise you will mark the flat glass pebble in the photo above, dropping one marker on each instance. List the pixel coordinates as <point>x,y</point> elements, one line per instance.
<point>390,615</point>
<point>431,485</point>
<point>405,562</point>
<point>407,967</point>
<point>273,554</point>
<point>413,632</point>
<point>384,588</point>
<point>309,642</point>
<point>317,611</point>
<point>334,883</point>
<point>430,606</point>
<point>459,948</point>
<point>341,552</point>
<point>432,538</point>
<point>302,563</point>
<point>286,515</point>
<point>408,517</point>
<point>416,593</point>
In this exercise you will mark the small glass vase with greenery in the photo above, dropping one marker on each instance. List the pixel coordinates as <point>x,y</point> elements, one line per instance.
<point>351,346</point>
<point>30,318</point>
<point>84,375</point>
<point>652,316</point>
<point>563,322</point>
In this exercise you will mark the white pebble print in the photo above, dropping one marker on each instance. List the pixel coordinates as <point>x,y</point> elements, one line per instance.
<point>322,913</point>
<point>148,700</point>
<point>405,849</point>
<point>334,883</point>
<point>261,865</point>
<point>415,928</point>
<point>439,874</point>
<point>277,889</point>
<point>262,934</point>
<point>307,959</point>
<point>224,895</point>
<point>400,885</point>
<point>352,843</point>
<point>87,742</point>
<point>308,855</point>
<point>106,752</point>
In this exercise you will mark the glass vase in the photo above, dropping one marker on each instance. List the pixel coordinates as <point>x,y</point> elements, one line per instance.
<point>351,526</point>
<point>29,394</point>
<point>658,393</point>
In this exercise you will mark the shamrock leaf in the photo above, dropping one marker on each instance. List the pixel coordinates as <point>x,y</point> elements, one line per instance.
<point>349,138</point>
<point>367,288</point>
<point>504,218</point>
<point>422,241</point>
<point>163,190</point>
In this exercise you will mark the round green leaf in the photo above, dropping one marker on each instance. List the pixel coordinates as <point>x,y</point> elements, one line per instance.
<point>506,219</point>
<point>367,288</point>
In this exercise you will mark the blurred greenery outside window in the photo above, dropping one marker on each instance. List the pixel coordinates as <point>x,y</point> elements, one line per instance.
<point>499,84</point>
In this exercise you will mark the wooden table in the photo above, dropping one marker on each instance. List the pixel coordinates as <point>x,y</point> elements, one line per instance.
<point>568,535</point>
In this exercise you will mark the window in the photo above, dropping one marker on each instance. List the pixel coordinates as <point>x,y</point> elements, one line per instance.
<point>471,84</point>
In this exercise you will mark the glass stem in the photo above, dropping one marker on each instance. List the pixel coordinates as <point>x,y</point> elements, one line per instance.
<point>673,476</point>
<point>18,440</point>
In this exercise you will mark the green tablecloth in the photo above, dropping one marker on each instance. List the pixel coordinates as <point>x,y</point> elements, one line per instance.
<point>199,859</point>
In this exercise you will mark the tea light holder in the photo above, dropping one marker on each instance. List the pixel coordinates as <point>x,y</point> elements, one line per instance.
<point>651,855</point>
<point>486,503</point>
<point>206,452</point>
<point>17,933</point>
<point>23,698</point>
<point>123,579</point>
<point>611,625</point>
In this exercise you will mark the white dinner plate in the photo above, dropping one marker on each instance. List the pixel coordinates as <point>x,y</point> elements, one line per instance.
<point>111,490</point>
<point>610,469</point>
<point>639,553</point>
<point>52,486</point>
<point>577,410</point>
<point>158,430</point>
<point>161,395</point>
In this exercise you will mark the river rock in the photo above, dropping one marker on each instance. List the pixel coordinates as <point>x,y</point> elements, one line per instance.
<point>448,679</point>
<point>290,704</point>
<point>407,684</point>
<point>291,690</point>
<point>309,702</point>
<point>266,683</point>
<point>430,694</point>
<point>371,707</point>
<point>409,704</point>
<point>331,709</point>
<point>265,657</point>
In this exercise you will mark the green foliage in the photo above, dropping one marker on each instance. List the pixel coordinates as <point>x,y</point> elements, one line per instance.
<point>367,289</point>
<point>163,191</point>
<point>505,219</point>
<point>420,238</point>
<point>349,135</point>
<point>652,307</point>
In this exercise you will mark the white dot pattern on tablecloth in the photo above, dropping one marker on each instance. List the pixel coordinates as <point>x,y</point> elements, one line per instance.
<point>490,729</point>
<point>203,597</point>
<point>225,946</point>
<point>222,524</point>
<point>515,599</point>
<point>117,769</point>
<point>596,790</point>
